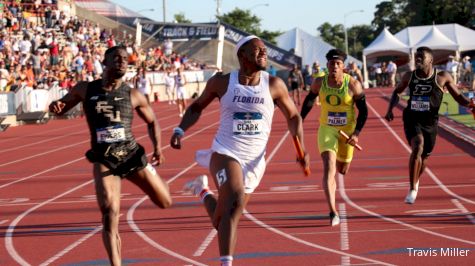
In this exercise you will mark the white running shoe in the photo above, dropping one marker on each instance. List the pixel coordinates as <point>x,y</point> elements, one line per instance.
<point>411,196</point>
<point>196,185</point>
<point>334,219</point>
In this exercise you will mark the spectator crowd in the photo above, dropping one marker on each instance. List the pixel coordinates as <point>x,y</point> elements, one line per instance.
<point>42,46</point>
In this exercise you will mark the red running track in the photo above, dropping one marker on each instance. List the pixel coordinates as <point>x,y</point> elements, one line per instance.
<point>49,215</point>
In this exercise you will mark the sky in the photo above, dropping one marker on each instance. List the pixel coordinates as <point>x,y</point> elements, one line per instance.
<point>276,15</point>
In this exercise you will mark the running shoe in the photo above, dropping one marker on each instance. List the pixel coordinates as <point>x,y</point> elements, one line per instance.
<point>334,219</point>
<point>411,196</point>
<point>196,185</point>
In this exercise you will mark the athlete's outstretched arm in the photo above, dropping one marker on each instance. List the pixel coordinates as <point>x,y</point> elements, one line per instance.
<point>145,111</point>
<point>193,112</point>
<point>75,96</point>
<point>448,82</point>
<point>286,105</point>
<point>400,87</point>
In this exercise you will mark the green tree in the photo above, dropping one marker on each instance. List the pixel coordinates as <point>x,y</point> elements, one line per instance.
<point>426,12</point>
<point>359,36</point>
<point>244,20</point>
<point>333,34</point>
<point>180,18</point>
<point>399,14</point>
<point>390,14</point>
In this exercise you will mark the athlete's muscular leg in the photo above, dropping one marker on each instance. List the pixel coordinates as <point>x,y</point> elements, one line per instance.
<point>231,201</point>
<point>343,167</point>
<point>108,198</point>
<point>153,185</point>
<point>416,162</point>
<point>329,183</point>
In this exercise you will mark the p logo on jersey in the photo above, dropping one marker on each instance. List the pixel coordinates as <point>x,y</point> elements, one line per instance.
<point>421,89</point>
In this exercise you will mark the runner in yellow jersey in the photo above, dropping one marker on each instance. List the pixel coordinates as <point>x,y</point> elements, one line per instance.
<point>339,93</point>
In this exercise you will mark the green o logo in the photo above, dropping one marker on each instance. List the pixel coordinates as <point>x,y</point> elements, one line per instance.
<point>333,100</point>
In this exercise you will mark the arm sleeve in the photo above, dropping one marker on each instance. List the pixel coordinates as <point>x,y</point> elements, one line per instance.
<point>308,104</point>
<point>362,113</point>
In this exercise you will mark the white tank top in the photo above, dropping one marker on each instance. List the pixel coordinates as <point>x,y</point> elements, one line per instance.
<point>246,117</point>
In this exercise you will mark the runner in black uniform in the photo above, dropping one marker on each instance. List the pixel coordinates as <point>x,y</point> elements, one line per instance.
<point>421,114</point>
<point>108,104</point>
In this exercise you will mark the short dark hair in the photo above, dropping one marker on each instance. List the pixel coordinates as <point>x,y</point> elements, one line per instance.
<point>336,54</point>
<point>112,50</point>
<point>424,49</point>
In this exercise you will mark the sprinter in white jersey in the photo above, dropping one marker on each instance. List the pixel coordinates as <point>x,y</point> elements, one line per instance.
<point>236,159</point>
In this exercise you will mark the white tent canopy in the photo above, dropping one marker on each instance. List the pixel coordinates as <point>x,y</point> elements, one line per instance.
<point>448,37</point>
<point>464,37</point>
<point>436,40</point>
<point>310,48</point>
<point>384,44</point>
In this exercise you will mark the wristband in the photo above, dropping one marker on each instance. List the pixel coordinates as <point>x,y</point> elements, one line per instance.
<point>179,131</point>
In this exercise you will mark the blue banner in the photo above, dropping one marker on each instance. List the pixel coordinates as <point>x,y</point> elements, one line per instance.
<point>176,31</point>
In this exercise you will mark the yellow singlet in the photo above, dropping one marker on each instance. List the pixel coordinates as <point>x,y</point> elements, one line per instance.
<point>337,113</point>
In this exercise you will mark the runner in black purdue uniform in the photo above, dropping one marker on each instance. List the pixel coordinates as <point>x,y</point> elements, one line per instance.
<point>420,117</point>
<point>108,104</point>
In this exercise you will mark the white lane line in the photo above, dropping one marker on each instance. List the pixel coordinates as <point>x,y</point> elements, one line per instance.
<point>345,243</point>
<point>204,245</point>
<point>151,242</point>
<point>3,221</point>
<point>65,147</point>
<point>298,240</point>
<point>72,246</point>
<point>301,241</point>
<point>56,131</point>
<point>427,170</point>
<point>11,228</point>
<point>464,210</point>
<point>343,194</point>
<point>344,236</point>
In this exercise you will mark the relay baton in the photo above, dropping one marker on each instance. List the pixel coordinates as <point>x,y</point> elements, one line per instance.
<point>347,137</point>
<point>300,155</point>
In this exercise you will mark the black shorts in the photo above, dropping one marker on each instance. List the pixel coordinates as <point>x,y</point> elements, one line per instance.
<point>414,126</point>
<point>121,160</point>
<point>293,86</point>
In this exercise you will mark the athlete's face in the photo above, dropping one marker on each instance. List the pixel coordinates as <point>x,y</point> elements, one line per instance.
<point>255,54</point>
<point>335,66</point>
<point>422,60</point>
<point>117,63</point>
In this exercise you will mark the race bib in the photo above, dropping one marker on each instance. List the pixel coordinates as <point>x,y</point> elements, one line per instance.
<point>247,123</point>
<point>420,104</point>
<point>337,119</point>
<point>110,134</point>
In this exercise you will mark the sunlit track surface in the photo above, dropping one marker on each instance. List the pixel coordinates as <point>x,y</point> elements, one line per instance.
<point>50,216</point>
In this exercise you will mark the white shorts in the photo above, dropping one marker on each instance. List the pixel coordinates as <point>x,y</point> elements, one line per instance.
<point>181,93</point>
<point>252,170</point>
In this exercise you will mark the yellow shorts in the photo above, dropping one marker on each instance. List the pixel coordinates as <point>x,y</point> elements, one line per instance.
<point>330,140</point>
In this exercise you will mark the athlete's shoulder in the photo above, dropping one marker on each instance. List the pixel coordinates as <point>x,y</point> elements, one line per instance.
<point>275,81</point>
<point>219,77</point>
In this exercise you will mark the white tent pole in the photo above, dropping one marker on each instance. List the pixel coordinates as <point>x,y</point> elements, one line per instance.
<point>365,73</point>
<point>219,53</point>
<point>412,63</point>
